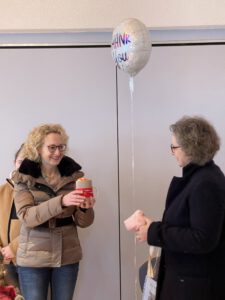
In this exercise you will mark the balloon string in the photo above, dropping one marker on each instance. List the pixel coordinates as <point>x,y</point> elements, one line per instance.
<point>131,85</point>
<point>135,266</point>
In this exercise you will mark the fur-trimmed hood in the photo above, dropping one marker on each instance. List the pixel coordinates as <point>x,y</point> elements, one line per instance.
<point>67,167</point>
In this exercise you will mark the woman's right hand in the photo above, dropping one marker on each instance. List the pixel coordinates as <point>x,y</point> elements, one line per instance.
<point>7,253</point>
<point>73,198</point>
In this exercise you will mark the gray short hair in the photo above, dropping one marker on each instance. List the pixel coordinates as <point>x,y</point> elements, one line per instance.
<point>197,137</point>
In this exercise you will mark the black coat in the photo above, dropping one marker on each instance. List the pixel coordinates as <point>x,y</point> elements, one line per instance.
<point>192,236</point>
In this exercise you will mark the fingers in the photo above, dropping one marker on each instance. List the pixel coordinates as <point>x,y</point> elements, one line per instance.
<point>141,233</point>
<point>140,236</point>
<point>8,257</point>
<point>88,202</point>
<point>74,198</point>
<point>7,253</point>
<point>3,251</point>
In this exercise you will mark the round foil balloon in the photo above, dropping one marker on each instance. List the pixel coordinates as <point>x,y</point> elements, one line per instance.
<point>131,46</point>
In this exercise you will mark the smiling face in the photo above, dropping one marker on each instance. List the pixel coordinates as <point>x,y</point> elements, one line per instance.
<point>179,153</point>
<point>52,150</point>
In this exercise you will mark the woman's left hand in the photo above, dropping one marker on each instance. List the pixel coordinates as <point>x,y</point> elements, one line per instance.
<point>88,202</point>
<point>142,232</point>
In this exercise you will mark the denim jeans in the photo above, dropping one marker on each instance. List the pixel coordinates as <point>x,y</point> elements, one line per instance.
<point>34,282</point>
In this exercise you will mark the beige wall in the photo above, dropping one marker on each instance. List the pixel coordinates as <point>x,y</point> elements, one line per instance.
<point>177,80</point>
<point>76,88</point>
<point>71,15</point>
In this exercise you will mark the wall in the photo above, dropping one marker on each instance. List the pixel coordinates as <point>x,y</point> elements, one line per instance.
<point>70,15</point>
<point>73,87</point>
<point>95,106</point>
<point>177,81</point>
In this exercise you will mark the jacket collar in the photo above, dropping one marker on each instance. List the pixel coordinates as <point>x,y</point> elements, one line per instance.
<point>191,168</point>
<point>178,183</point>
<point>67,167</point>
<point>10,182</point>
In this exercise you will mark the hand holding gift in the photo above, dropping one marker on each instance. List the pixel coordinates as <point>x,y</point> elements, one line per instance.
<point>142,232</point>
<point>82,196</point>
<point>139,223</point>
<point>135,221</point>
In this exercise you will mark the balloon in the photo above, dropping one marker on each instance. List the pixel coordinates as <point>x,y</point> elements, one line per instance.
<point>131,46</point>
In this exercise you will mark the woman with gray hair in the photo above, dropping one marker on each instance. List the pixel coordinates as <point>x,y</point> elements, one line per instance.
<point>192,230</point>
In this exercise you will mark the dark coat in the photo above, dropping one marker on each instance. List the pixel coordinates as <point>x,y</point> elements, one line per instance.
<point>192,236</point>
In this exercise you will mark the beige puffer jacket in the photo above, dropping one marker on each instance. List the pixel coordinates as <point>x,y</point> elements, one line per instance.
<point>37,203</point>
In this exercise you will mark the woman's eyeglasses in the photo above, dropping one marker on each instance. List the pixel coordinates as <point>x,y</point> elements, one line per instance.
<point>173,148</point>
<point>53,148</point>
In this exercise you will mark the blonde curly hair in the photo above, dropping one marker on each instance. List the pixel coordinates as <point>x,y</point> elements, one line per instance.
<point>36,138</point>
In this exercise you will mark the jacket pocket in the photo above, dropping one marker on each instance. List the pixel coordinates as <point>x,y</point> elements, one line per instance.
<point>194,288</point>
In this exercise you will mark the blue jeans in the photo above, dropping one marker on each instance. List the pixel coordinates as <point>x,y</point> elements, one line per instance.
<point>34,282</point>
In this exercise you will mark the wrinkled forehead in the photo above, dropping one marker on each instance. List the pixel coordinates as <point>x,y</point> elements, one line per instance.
<point>174,139</point>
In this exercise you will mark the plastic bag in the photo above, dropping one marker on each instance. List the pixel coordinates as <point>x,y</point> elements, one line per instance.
<point>150,284</point>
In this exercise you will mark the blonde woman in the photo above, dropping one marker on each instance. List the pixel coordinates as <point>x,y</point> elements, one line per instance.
<point>50,210</point>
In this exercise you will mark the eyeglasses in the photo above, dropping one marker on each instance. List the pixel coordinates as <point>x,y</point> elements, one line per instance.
<point>173,148</point>
<point>53,148</point>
